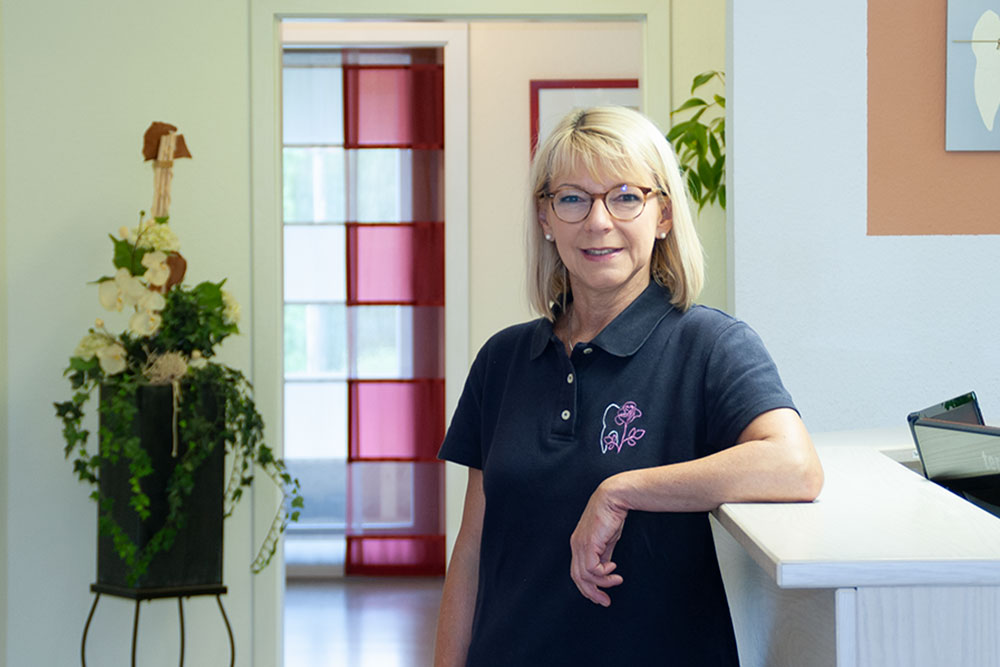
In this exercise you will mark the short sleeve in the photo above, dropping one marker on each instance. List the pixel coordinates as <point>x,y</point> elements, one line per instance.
<point>741,383</point>
<point>463,440</point>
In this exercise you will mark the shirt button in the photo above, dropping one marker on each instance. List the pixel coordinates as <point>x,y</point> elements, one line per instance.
<point>588,350</point>
<point>565,415</point>
<point>569,379</point>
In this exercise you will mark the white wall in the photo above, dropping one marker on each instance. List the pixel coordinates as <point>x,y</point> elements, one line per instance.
<point>499,138</point>
<point>81,82</point>
<point>4,466</point>
<point>698,44</point>
<point>864,329</point>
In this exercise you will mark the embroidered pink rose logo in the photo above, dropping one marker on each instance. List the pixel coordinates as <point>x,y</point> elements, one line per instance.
<point>619,432</point>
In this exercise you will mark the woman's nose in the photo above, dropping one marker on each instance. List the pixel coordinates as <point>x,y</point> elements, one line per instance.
<point>599,218</point>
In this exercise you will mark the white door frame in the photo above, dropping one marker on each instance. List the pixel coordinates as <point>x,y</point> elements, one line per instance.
<point>268,34</point>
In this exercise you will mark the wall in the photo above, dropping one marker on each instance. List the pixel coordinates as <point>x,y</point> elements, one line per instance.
<point>498,142</point>
<point>698,44</point>
<point>498,136</point>
<point>915,185</point>
<point>4,466</point>
<point>864,329</point>
<point>81,83</point>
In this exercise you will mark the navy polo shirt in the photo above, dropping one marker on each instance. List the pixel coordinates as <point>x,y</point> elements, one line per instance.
<point>656,386</point>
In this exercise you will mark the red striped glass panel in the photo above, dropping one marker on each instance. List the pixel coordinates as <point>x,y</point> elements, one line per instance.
<point>396,185</point>
<point>395,498</point>
<point>400,264</point>
<point>397,342</point>
<point>395,419</point>
<point>416,555</point>
<point>394,106</point>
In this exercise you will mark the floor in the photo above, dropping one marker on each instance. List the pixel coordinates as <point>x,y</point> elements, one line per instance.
<point>360,621</point>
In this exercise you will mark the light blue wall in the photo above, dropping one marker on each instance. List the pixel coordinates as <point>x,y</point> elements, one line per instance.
<point>864,329</point>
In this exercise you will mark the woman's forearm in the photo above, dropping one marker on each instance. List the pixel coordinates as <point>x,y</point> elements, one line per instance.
<point>773,460</point>
<point>768,465</point>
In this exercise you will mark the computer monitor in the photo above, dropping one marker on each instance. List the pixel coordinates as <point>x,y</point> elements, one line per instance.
<point>963,409</point>
<point>964,458</point>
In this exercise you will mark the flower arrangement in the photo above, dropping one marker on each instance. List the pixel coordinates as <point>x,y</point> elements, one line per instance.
<point>172,334</point>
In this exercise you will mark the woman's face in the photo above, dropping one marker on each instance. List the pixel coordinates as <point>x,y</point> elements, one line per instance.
<point>606,257</point>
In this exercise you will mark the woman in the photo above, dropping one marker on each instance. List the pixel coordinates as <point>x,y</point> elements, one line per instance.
<point>599,436</point>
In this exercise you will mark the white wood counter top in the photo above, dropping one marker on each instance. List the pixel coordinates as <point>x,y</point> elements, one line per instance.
<point>876,523</point>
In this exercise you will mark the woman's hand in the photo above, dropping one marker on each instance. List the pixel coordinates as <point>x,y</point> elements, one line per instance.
<point>774,461</point>
<point>592,544</point>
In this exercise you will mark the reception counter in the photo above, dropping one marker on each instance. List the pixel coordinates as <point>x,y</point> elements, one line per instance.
<point>884,569</point>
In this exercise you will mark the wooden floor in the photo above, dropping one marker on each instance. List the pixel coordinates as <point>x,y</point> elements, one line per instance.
<point>356,622</point>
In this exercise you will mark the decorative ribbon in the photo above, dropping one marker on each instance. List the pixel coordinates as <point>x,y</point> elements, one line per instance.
<point>176,385</point>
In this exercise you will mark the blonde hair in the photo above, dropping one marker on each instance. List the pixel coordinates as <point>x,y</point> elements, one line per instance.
<point>614,142</point>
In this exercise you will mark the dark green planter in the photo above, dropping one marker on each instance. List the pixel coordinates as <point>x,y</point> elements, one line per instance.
<point>195,559</point>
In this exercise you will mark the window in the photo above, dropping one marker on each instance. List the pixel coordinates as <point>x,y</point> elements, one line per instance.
<point>364,305</point>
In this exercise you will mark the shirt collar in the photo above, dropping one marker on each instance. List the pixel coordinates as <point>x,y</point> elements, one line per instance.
<point>626,333</point>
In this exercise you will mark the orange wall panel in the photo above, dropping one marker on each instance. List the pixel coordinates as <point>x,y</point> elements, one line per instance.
<point>914,186</point>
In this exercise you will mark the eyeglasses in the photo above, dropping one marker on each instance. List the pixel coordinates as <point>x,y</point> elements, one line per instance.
<point>624,202</point>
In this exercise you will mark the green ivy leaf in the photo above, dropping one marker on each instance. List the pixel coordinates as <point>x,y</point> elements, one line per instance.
<point>209,295</point>
<point>83,365</point>
<point>127,256</point>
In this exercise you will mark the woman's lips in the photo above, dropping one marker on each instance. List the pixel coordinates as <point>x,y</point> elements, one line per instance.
<point>599,253</point>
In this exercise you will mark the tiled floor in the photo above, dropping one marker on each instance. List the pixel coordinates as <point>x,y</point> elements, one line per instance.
<point>357,622</point>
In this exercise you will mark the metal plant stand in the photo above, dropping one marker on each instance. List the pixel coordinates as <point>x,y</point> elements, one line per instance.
<point>139,594</point>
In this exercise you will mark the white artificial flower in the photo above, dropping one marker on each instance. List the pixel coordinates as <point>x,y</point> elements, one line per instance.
<point>110,295</point>
<point>152,234</point>
<point>197,360</point>
<point>112,358</point>
<point>124,289</point>
<point>157,271</point>
<point>151,301</point>
<point>145,322</point>
<point>232,307</point>
<point>131,287</point>
<point>90,344</point>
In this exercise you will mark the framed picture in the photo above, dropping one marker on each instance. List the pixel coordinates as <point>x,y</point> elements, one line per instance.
<point>973,76</point>
<point>551,99</point>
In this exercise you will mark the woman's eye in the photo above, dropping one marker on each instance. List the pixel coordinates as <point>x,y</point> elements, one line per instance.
<point>571,198</point>
<point>626,198</point>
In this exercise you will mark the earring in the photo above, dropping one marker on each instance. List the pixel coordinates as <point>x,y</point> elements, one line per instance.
<point>548,237</point>
<point>662,235</point>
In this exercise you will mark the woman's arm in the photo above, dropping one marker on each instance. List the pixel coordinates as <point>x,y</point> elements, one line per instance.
<point>773,460</point>
<point>458,600</point>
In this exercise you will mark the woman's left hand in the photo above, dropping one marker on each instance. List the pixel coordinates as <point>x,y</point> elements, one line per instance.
<point>592,544</point>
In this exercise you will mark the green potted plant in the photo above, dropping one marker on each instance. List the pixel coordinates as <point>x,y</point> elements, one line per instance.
<point>168,411</point>
<point>701,145</point>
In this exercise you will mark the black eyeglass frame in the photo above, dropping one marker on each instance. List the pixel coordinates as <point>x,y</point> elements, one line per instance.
<point>594,196</point>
